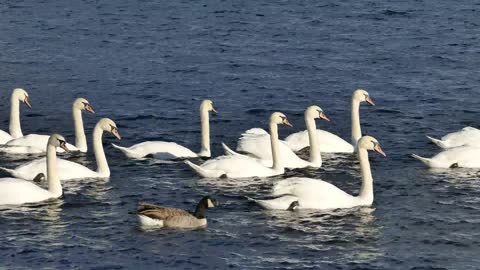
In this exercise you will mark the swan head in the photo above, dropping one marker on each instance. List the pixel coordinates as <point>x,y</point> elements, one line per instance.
<point>370,143</point>
<point>58,140</point>
<point>83,104</point>
<point>315,112</point>
<point>22,95</point>
<point>279,118</point>
<point>107,124</point>
<point>207,105</point>
<point>361,95</point>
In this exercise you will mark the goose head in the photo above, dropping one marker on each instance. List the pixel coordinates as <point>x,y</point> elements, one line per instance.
<point>361,95</point>
<point>83,104</point>
<point>207,105</point>
<point>209,202</point>
<point>315,112</point>
<point>370,143</point>
<point>58,140</point>
<point>22,95</point>
<point>108,125</point>
<point>279,119</point>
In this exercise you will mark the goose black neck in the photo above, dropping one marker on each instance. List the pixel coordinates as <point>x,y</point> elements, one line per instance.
<point>200,210</point>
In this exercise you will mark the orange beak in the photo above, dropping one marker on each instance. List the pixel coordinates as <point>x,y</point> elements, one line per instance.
<point>27,102</point>
<point>116,134</point>
<point>286,123</point>
<point>89,108</point>
<point>213,110</point>
<point>379,150</point>
<point>370,101</point>
<point>64,147</point>
<point>324,117</point>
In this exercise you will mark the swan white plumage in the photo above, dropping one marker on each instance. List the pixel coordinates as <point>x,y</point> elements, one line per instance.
<point>466,136</point>
<point>462,157</point>
<point>15,129</point>
<point>257,144</point>
<point>35,143</point>
<point>318,194</point>
<point>171,150</point>
<point>238,166</point>
<point>14,191</point>
<point>329,142</point>
<point>68,170</point>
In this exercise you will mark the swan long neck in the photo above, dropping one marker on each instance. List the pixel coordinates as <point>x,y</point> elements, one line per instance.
<point>366,191</point>
<point>102,165</point>
<point>54,185</point>
<point>277,163</point>
<point>204,118</point>
<point>80,139</point>
<point>356,130</point>
<point>14,128</point>
<point>315,156</point>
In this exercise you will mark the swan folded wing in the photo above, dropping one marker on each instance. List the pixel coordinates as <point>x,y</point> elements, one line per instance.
<point>331,143</point>
<point>66,170</point>
<point>466,136</point>
<point>315,194</point>
<point>280,203</point>
<point>255,132</point>
<point>4,137</point>
<point>159,212</point>
<point>327,141</point>
<point>238,167</point>
<point>34,143</point>
<point>297,141</point>
<point>260,147</point>
<point>162,150</point>
<point>463,156</point>
<point>17,191</point>
<point>257,145</point>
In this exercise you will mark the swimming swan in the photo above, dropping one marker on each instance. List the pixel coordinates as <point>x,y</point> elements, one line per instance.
<point>466,136</point>
<point>239,166</point>
<point>258,144</point>
<point>15,129</point>
<point>171,150</point>
<point>68,170</point>
<point>329,142</point>
<point>35,143</point>
<point>462,157</point>
<point>17,191</point>
<point>318,194</point>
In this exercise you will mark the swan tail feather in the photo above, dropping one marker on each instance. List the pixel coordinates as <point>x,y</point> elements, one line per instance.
<point>203,172</point>
<point>9,171</point>
<point>126,151</point>
<point>437,142</point>
<point>228,151</point>
<point>426,161</point>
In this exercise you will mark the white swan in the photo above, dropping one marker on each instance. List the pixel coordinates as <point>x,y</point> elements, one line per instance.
<point>257,144</point>
<point>462,157</point>
<point>466,136</point>
<point>15,129</point>
<point>171,150</point>
<point>17,191</point>
<point>238,166</point>
<point>35,143</point>
<point>329,142</point>
<point>68,170</point>
<point>317,194</point>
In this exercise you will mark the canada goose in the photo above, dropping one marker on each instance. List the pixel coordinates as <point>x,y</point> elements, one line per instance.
<point>151,215</point>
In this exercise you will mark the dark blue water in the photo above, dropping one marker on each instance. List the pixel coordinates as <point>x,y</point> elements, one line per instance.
<point>148,64</point>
